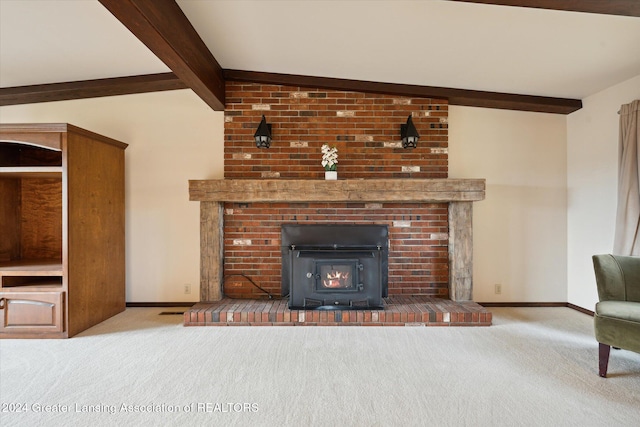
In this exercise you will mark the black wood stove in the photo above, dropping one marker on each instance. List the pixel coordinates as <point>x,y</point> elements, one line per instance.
<point>335,266</point>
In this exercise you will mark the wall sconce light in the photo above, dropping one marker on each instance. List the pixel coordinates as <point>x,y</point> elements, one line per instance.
<point>409,134</point>
<point>263,134</point>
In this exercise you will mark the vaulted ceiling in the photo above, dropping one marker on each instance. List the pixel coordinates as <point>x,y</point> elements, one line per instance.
<point>543,57</point>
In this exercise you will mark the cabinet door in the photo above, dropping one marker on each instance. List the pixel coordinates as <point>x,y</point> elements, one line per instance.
<point>31,312</point>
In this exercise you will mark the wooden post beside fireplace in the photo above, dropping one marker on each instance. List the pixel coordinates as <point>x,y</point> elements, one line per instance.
<point>458,193</point>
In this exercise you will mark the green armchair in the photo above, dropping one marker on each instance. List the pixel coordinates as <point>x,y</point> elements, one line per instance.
<point>617,316</point>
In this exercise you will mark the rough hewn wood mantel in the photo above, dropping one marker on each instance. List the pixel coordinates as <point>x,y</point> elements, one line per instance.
<point>348,190</point>
<point>458,193</point>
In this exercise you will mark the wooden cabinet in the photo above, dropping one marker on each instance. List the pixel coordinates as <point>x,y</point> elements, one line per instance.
<point>62,249</point>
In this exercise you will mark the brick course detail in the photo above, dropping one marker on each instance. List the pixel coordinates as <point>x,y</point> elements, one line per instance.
<point>364,127</point>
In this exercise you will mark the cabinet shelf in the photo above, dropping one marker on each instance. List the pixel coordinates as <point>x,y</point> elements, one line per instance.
<point>32,172</point>
<point>31,283</point>
<point>31,267</point>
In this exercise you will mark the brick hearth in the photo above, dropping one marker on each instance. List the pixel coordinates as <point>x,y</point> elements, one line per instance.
<point>398,311</point>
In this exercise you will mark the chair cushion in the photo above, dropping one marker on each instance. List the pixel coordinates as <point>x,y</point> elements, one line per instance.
<point>625,310</point>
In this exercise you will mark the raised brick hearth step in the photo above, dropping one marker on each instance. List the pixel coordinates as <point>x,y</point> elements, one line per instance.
<point>398,311</point>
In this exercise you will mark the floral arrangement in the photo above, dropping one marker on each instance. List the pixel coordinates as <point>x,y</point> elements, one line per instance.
<point>329,158</point>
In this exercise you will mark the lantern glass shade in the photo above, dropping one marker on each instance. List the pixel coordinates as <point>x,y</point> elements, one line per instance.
<point>263,134</point>
<point>409,134</point>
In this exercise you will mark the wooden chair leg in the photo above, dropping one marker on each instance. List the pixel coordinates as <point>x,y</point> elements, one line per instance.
<point>603,356</point>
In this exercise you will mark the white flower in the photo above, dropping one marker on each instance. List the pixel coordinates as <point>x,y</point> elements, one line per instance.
<point>329,157</point>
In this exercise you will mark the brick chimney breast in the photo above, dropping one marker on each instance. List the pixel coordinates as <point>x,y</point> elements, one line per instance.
<point>365,128</point>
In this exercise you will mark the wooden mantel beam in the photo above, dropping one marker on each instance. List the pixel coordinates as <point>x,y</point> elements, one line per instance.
<point>162,27</point>
<point>344,190</point>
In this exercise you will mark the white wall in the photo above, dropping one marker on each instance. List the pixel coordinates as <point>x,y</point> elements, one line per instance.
<point>173,136</point>
<point>520,228</point>
<point>521,236</point>
<point>592,180</point>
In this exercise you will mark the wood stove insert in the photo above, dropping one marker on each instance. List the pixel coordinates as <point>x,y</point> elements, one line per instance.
<point>335,266</point>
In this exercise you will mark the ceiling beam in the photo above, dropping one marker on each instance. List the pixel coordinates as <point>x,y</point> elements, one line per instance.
<point>470,98</point>
<point>604,7</point>
<point>169,81</point>
<point>89,89</point>
<point>165,30</point>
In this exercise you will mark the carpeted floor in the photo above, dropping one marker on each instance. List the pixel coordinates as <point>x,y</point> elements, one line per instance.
<point>533,367</point>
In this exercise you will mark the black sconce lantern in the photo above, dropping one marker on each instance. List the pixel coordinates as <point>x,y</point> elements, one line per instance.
<point>263,134</point>
<point>409,134</point>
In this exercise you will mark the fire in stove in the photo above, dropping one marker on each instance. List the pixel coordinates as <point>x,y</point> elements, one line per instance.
<point>336,278</point>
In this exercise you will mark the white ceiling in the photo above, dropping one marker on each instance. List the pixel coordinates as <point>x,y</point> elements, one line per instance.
<point>429,42</point>
<point>51,41</point>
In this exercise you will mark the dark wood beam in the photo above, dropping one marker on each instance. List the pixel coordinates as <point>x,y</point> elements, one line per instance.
<point>89,89</point>
<point>471,98</point>
<point>162,27</point>
<point>604,7</point>
<point>169,81</point>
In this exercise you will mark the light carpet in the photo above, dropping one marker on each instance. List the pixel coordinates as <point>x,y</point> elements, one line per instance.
<point>533,367</point>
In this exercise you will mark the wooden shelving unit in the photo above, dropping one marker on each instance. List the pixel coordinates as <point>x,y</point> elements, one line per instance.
<point>62,225</point>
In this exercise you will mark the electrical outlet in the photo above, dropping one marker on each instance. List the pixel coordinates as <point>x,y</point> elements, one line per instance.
<point>498,288</point>
<point>187,288</point>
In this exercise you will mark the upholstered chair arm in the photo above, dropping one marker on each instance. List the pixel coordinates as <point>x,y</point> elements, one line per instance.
<point>617,277</point>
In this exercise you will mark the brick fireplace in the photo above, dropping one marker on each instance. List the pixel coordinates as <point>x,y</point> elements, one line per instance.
<point>428,216</point>
<point>214,195</point>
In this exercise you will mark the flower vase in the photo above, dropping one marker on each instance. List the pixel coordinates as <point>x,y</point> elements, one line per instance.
<point>330,175</point>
